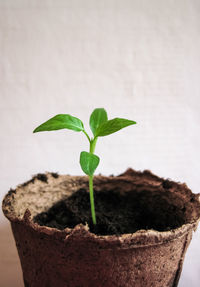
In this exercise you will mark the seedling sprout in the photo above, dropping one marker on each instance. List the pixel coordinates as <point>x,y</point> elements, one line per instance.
<point>100,127</point>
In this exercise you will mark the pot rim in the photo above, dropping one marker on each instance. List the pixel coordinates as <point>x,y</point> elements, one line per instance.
<point>141,238</point>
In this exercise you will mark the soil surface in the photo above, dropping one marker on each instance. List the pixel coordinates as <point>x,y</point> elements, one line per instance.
<point>116,214</point>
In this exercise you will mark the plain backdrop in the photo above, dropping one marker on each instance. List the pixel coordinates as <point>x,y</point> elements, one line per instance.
<point>137,59</point>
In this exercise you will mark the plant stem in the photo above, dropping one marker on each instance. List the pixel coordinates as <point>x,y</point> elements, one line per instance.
<point>92,148</point>
<point>86,135</point>
<point>92,145</point>
<point>92,199</point>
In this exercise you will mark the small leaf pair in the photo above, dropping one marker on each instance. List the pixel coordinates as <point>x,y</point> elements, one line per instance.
<point>99,123</point>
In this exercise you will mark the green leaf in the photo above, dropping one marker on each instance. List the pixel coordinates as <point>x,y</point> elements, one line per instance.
<point>89,162</point>
<point>97,118</point>
<point>113,126</point>
<point>61,121</point>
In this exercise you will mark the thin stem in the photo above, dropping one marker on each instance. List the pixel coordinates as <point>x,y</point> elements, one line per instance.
<point>87,136</point>
<point>93,145</point>
<point>92,199</point>
<point>92,148</point>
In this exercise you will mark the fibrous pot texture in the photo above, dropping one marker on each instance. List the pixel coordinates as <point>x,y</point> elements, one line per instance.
<point>76,256</point>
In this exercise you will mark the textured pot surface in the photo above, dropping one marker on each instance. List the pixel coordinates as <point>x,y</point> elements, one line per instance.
<point>76,257</point>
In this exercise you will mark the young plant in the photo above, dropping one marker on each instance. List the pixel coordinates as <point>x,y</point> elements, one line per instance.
<point>100,126</point>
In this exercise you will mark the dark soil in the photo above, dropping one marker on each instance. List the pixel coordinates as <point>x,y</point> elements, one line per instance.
<point>116,214</point>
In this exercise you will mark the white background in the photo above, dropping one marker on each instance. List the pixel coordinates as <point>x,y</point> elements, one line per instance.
<point>138,59</point>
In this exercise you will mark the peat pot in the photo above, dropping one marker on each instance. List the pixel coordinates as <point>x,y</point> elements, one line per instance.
<point>151,256</point>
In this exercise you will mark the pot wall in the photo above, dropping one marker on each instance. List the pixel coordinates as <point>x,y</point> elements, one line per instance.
<point>78,261</point>
<point>76,257</point>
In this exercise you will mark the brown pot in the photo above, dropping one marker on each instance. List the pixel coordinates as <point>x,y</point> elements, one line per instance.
<point>76,257</point>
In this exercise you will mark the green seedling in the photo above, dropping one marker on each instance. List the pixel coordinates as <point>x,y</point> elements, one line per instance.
<point>100,126</point>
